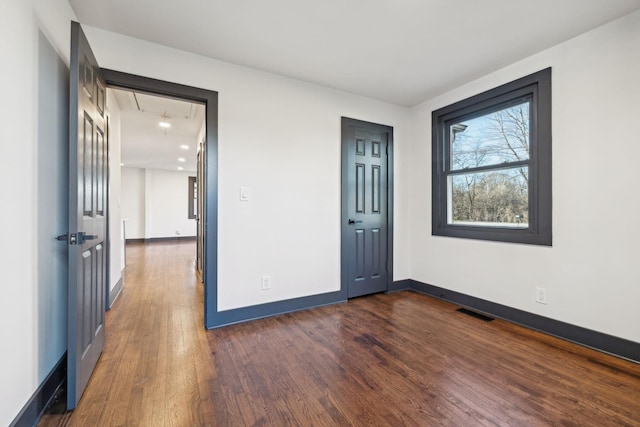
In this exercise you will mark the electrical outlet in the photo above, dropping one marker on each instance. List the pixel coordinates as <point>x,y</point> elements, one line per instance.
<point>266,283</point>
<point>541,295</point>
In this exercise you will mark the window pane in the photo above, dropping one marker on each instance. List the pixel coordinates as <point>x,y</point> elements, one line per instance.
<point>495,138</point>
<point>492,198</point>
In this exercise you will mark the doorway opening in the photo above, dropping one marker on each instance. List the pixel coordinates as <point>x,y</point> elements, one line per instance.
<point>155,145</point>
<point>188,100</point>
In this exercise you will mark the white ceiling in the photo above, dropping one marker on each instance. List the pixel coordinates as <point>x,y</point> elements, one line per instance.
<point>401,51</point>
<point>145,144</point>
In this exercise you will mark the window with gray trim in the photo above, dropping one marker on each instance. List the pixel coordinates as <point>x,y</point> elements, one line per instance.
<point>491,169</point>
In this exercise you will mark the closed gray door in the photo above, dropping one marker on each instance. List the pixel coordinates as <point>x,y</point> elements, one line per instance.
<point>88,165</point>
<point>364,206</point>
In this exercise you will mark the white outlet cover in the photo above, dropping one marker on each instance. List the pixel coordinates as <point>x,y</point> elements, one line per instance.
<point>266,283</point>
<point>541,295</point>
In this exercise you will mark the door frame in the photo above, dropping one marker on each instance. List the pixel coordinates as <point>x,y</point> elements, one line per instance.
<point>346,123</point>
<point>120,80</point>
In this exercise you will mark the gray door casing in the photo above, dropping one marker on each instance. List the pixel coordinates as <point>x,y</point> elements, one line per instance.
<point>367,207</point>
<point>200,210</point>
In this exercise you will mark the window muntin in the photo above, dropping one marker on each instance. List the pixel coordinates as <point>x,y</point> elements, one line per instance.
<point>492,164</point>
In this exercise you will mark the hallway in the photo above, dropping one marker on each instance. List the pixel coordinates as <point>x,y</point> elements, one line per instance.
<point>399,359</point>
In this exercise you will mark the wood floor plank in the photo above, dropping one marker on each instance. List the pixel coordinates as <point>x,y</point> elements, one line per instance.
<point>381,360</point>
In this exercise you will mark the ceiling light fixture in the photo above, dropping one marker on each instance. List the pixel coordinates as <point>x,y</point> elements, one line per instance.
<point>184,147</point>
<point>164,123</point>
<point>182,159</point>
<point>180,168</point>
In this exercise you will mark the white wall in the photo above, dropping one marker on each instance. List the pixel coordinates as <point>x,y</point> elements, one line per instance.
<point>34,111</point>
<point>155,203</point>
<point>167,204</point>
<point>591,271</point>
<point>116,251</point>
<point>281,138</point>
<point>133,202</point>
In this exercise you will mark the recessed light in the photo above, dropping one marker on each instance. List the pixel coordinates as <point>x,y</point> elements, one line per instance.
<point>184,147</point>
<point>182,159</point>
<point>180,168</point>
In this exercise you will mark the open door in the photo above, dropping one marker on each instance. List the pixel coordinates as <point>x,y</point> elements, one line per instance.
<point>88,165</point>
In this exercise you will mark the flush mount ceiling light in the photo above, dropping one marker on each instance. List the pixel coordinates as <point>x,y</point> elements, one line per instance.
<point>180,168</point>
<point>164,123</point>
<point>182,159</point>
<point>184,146</point>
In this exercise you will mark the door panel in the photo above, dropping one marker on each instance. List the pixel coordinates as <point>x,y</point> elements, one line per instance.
<point>365,207</point>
<point>88,163</point>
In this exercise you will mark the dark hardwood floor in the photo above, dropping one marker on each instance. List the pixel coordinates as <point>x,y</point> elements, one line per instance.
<point>392,360</point>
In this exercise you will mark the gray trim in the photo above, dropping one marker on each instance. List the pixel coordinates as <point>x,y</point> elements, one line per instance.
<point>245,314</point>
<point>599,341</point>
<point>191,214</point>
<point>400,285</point>
<point>162,239</point>
<point>35,408</point>
<point>115,293</point>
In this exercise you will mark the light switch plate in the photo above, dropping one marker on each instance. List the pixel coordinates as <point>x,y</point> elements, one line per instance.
<point>244,194</point>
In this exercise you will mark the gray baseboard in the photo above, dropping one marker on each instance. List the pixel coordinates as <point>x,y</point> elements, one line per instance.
<point>115,292</point>
<point>44,395</point>
<point>163,239</point>
<point>400,285</point>
<point>245,314</point>
<point>605,343</point>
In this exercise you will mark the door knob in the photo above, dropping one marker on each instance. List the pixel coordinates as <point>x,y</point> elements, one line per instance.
<point>353,221</point>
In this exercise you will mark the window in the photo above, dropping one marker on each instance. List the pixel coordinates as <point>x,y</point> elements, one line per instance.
<point>492,164</point>
<point>193,197</point>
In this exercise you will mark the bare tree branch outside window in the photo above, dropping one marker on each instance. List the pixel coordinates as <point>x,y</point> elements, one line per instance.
<point>494,190</point>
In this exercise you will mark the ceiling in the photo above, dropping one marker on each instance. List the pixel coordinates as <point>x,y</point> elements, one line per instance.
<point>400,51</point>
<point>147,145</point>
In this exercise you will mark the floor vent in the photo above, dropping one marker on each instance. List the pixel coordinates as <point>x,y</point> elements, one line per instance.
<point>476,315</point>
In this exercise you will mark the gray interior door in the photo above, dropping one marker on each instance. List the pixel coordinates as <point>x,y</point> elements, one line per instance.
<point>365,206</point>
<point>88,165</point>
